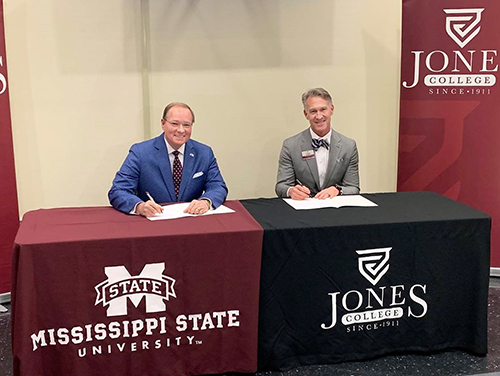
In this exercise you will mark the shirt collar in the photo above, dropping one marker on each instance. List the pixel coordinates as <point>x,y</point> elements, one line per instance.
<point>170,149</point>
<point>325,137</point>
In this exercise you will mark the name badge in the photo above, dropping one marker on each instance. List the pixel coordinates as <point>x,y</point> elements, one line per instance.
<point>306,154</point>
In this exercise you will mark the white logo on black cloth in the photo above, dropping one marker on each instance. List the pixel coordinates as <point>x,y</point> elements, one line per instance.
<point>462,25</point>
<point>120,286</point>
<point>373,263</point>
<point>375,307</point>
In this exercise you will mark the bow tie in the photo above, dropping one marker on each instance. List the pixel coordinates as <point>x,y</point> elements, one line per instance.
<point>317,143</point>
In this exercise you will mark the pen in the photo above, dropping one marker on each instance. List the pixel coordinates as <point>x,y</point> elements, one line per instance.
<point>150,197</point>
<point>300,183</point>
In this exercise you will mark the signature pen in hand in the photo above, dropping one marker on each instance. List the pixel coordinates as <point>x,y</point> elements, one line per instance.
<point>300,183</point>
<point>152,199</point>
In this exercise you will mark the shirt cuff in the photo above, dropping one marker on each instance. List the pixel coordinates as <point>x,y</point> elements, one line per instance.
<point>209,201</point>
<point>134,209</point>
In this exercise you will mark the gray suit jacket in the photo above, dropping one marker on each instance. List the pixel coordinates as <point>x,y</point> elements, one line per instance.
<point>297,162</point>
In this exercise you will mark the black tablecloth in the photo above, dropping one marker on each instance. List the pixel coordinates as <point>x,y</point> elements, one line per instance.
<point>351,283</point>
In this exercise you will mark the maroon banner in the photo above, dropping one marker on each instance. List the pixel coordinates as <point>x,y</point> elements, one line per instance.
<point>450,104</point>
<point>9,215</point>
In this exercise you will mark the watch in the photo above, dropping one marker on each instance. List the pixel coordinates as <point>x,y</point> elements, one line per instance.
<point>339,188</point>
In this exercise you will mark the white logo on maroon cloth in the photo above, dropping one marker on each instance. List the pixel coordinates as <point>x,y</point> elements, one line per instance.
<point>121,286</point>
<point>373,263</point>
<point>462,25</point>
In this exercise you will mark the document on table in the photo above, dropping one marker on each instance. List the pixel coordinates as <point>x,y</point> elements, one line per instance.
<point>335,202</point>
<point>177,211</point>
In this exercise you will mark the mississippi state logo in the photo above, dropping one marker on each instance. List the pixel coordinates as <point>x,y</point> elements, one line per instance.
<point>373,263</point>
<point>462,25</point>
<point>120,286</point>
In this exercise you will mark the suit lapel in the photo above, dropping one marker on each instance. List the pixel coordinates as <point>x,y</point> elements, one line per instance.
<point>164,165</point>
<point>187,168</point>
<point>311,162</point>
<point>335,148</point>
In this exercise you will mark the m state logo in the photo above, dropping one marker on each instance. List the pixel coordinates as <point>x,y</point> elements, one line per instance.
<point>376,307</point>
<point>145,334</point>
<point>462,25</point>
<point>120,286</point>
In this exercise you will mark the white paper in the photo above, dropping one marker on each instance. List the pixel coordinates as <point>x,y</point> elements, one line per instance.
<point>177,211</point>
<point>335,202</point>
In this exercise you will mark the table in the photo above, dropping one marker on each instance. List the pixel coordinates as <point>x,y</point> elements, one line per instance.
<point>353,283</point>
<point>98,292</point>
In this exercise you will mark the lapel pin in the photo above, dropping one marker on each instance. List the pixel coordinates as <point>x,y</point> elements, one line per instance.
<point>191,154</point>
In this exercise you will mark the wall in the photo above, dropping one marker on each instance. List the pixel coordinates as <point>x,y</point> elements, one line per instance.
<point>80,95</point>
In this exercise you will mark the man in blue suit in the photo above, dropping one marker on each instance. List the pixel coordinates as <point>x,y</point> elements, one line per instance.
<point>169,168</point>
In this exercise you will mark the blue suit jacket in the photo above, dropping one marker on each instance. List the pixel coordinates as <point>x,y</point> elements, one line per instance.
<point>147,168</point>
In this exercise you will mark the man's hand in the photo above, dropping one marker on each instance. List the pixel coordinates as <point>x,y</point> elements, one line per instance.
<point>327,193</point>
<point>198,207</point>
<point>299,192</point>
<point>148,208</point>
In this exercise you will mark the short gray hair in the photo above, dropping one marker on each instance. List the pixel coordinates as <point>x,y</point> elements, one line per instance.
<point>316,92</point>
<point>176,104</point>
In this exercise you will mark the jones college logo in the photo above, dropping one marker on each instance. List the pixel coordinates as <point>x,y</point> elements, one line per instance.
<point>121,286</point>
<point>462,25</point>
<point>3,80</point>
<point>373,263</point>
<point>376,307</point>
<point>468,72</point>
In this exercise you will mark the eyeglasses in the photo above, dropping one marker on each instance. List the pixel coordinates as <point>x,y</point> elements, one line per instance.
<point>176,124</point>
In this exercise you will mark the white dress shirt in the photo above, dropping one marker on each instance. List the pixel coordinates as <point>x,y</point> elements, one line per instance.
<point>322,156</point>
<point>171,157</point>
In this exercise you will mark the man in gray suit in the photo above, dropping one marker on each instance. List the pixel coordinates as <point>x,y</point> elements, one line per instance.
<point>318,162</point>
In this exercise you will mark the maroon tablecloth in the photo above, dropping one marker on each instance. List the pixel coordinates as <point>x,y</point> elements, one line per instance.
<point>98,292</point>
